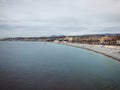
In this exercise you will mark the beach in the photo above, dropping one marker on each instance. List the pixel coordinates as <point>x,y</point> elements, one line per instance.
<point>110,51</point>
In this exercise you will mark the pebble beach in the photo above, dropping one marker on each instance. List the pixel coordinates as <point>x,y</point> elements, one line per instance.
<point>110,51</point>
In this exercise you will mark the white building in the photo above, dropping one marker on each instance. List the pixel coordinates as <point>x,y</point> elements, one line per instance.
<point>118,42</point>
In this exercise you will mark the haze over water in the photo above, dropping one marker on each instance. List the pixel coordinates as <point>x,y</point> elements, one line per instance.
<point>48,66</point>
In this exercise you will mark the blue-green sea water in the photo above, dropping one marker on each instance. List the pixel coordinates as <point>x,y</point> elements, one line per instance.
<point>49,66</point>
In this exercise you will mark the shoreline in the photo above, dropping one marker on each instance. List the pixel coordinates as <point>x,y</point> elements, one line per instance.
<point>113,52</point>
<point>109,51</point>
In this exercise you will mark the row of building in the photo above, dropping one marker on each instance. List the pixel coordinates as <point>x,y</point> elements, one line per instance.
<point>92,39</point>
<point>85,39</point>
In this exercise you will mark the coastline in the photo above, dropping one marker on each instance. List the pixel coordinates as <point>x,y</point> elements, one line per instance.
<point>109,51</point>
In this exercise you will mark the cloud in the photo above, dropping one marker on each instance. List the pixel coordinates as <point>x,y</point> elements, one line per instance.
<point>58,17</point>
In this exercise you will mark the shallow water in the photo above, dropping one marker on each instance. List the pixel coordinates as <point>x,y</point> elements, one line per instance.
<point>48,66</point>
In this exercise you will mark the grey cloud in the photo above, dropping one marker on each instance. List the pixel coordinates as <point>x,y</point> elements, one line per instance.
<point>59,16</point>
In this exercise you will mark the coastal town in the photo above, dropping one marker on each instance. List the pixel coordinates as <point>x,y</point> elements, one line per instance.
<point>95,39</point>
<point>106,44</point>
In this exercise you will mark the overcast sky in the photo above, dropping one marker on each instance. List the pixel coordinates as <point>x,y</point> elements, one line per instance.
<point>56,17</point>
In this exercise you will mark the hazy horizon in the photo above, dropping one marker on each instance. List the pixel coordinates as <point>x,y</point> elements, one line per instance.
<point>36,18</point>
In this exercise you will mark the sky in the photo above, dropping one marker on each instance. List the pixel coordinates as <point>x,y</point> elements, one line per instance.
<point>34,18</point>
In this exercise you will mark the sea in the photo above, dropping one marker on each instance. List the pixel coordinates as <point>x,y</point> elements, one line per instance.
<point>50,66</point>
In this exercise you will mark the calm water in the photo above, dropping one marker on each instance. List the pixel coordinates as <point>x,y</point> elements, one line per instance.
<point>47,66</point>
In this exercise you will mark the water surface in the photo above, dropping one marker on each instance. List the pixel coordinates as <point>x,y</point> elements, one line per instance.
<point>48,66</point>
